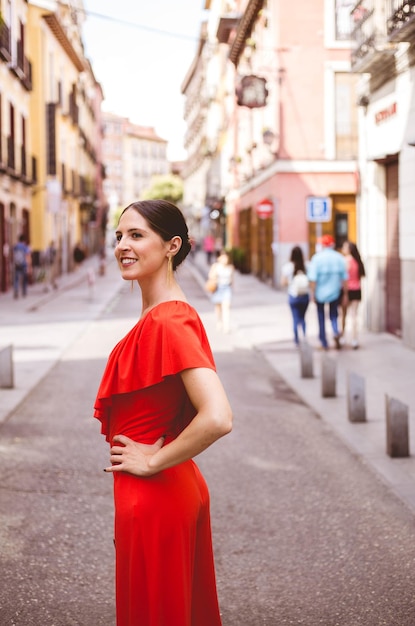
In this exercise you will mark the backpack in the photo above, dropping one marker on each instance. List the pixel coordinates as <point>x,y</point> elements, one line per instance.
<point>299,284</point>
<point>19,256</point>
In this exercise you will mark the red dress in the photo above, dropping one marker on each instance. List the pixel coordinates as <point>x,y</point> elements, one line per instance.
<point>164,561</point>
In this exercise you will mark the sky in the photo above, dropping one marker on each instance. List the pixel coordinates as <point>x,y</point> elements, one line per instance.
<point>140,52</point>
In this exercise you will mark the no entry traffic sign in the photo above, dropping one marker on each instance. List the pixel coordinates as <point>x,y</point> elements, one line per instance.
<point>264,208</point>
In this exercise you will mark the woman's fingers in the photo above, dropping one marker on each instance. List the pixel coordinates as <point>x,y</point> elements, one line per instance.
<point>132,456</point>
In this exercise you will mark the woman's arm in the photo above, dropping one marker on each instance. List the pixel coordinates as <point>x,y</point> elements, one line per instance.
<point>286,274</point>
<point>213,271</point>
<point>213,420</point>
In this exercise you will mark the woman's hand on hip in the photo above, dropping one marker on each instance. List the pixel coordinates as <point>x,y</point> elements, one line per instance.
<point>132,457</point>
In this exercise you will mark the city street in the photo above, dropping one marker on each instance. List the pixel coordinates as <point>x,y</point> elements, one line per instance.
<point>305,532</point>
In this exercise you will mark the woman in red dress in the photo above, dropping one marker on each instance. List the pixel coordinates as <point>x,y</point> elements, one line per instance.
<point>161,403</point>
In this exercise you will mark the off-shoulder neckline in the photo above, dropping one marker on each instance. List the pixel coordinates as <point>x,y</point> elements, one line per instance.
<point>160,304</point>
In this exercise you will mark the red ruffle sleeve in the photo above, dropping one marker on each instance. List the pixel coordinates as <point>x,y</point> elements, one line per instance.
<point>168,340</point>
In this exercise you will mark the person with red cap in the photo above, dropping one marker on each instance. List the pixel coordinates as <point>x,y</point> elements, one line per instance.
<point>328,276</point>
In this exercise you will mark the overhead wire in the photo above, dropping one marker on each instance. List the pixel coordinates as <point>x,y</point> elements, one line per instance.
<point>150,29</point>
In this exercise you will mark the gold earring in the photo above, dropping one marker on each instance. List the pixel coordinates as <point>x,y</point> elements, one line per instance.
<point>169,270</point>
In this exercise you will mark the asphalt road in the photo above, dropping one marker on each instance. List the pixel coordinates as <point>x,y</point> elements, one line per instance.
<point>304,533</point>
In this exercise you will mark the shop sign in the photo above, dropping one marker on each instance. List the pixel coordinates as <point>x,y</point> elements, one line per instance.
<point>385,114</point>
<point>252,92</point>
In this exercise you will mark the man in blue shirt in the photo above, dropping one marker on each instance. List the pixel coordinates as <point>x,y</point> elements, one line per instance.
<point>328,276</point>
<point>21,266</point>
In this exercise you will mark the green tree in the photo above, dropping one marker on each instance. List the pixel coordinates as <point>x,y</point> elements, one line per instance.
<point>116,216</point>
<point>168,187</point>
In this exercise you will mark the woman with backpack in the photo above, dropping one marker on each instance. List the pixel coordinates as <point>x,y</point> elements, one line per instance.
<point>294,277</point>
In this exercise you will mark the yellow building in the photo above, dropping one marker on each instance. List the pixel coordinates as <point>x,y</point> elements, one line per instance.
<point>17,166</point>
<point>65,130</point>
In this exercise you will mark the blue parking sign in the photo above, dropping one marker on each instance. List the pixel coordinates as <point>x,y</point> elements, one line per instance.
<point>318,209</point>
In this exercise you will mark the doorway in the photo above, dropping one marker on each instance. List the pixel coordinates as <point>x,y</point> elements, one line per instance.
<point>393,261</point>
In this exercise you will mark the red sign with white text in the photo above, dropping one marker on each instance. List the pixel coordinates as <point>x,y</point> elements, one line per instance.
<point>264,208</point>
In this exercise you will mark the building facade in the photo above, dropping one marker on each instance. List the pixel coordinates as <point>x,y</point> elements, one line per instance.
<point>384,36</point>
<point>285,117</point>
<point>51,174</point>
<point>68,206</point>
<point>132,155</point>
<point>18,165</point>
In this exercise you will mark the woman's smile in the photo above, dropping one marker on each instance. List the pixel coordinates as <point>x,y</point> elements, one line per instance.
<point>127,261</point>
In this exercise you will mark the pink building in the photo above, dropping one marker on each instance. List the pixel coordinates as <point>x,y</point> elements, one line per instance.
<point>300,150</point>
<point>294,144</point>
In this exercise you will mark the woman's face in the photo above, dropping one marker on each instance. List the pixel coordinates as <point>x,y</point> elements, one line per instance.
<point>140,252</point>
<point>346,248</point>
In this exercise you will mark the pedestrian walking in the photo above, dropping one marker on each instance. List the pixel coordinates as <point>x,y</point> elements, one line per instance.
<point>22,266</point>
<point>209,247</point>
<point>294,277</point>
<point>51,266</point>
<point>327,274</point>
<point>161,403</point>
<point>78,255</point>
<point>222,273</point>
<point>349,308</point>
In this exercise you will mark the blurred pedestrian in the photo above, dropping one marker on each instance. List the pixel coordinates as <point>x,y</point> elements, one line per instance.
<point>209,247</point>
<point>294,277</point>
<point>222,271</point>
<point>161,403</point>
<point>51,259</point>
<point>78,255</point>
<point>22,266</point>
<point>193,247</point>
<point>356,271</point>
<point>327,274</point>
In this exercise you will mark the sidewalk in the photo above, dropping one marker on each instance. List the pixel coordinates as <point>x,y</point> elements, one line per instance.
<point>44,323</point>
<point>260,319</point>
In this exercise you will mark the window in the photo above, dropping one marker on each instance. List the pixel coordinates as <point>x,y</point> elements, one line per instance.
<point>343,19</point>
<point>51,138</point>
<point>346,115</point>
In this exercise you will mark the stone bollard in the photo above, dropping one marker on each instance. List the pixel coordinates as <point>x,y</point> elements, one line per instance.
<point>397,428</point>
<point>306,359</point>
<point>356,405</point>
<point>328,377</point>
<point>6,367</point>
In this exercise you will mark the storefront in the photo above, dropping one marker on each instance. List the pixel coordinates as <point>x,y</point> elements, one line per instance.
<point>387,207</point>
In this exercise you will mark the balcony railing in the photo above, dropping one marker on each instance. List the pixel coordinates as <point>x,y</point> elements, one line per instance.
<point>372,47</point>
<point>401,20</point>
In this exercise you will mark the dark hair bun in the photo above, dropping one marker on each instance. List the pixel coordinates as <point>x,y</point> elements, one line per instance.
<point>167,220</point>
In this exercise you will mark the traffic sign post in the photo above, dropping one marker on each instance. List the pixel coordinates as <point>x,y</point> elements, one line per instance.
<point>265,208</point>
<point>318,209</point>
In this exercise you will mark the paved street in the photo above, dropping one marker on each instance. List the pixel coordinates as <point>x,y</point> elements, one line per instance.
<point>308,527</point>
